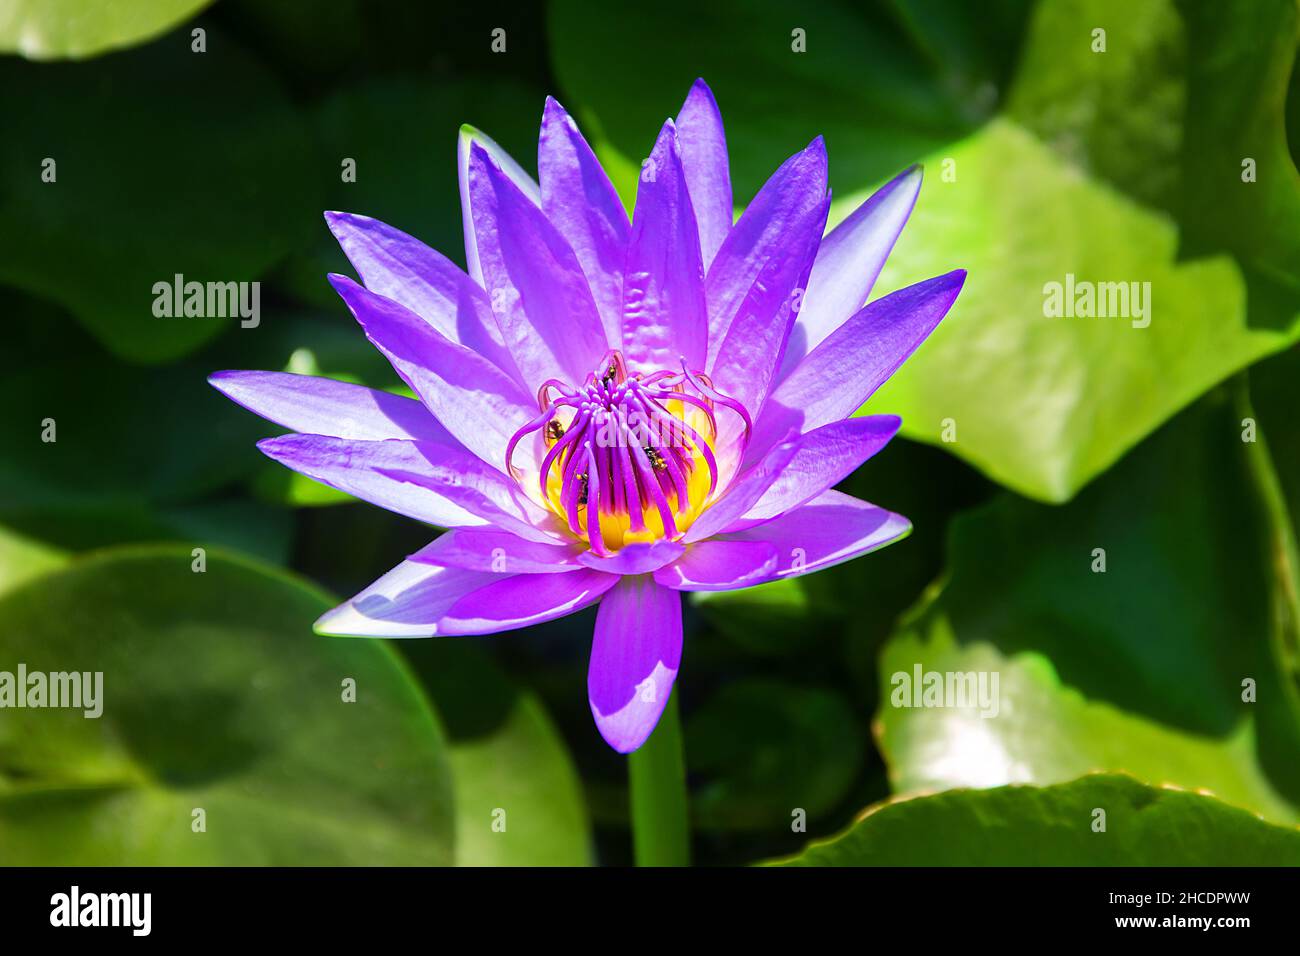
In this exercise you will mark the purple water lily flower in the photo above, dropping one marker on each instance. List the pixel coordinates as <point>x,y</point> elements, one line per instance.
<point>612,411</point>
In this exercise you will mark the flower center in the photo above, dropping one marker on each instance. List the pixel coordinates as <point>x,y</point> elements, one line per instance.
<point>629,457</point>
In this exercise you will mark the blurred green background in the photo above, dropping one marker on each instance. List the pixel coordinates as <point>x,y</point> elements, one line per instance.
<point>1164,156</point>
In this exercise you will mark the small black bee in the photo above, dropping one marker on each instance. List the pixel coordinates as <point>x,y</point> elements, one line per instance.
<point>656,460</point>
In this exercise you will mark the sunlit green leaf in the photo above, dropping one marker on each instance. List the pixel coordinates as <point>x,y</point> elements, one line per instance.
<point>54,29</point>
<point>216,696</point>
<point>1058,826</point>
<point>518,798</point>
<point>1142,667</point>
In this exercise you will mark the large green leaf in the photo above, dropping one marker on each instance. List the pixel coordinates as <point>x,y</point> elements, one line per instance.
<point>22,559</point>
<point>167,162</point>
<point>760,749</point>
<point>1241,61</point>
<point>98,453</point>
<point>1058,826</point>
<point>1040,403</point>
<point>1275,387</point>
<point>518,798</point>
<point>1138,668</point>
<point>1273,464</point>
<point>54,29</point>
<point>1044,402</point>
<point>216,695</point>
<point>1115,114</point>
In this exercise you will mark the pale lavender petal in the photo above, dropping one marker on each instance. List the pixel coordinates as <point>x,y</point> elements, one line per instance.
<point>433,483</point>
<point>822,458</point>
<point>637,558</point>
<point>580,200</point>
<point>718,565</point>
<point>524,599</point>
<point>319,406</point>
<point>635,655</point>
<point>664,316</point>
<point>539,293</point>
<point>838,376</point>
<point>829,529</point>
<point>705,163</point>
<point>498,552</point>
<point>407,271</point>
<point>478,403</point>
<point>848,262</point>
<point>469,137</point>
<point>405,602</point>
<point>795,193</point>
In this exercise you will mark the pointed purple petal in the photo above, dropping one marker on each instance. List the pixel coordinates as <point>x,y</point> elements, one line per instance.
<point>705,163</point>
<point>792,195</point>
<point>405,602</point>
<point>635,655</point>
<point>838,376</point>
<point>718,565</point>
<point>473,399</point>
<point>403,269</point>
<point>823,458</point>
<point>524,599</point>
<point>664,316</point>
<point>749,357</point>
<point>469,137</point>
<point>538,290</point>
<point>580,200</point>
<point>421,480</point>
<point>848,262</point>
<point>498,552</point>
<point>829,529</point>
<point>306,403</point>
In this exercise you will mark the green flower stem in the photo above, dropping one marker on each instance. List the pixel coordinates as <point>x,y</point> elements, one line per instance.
<point>661,831</point>
<point>1283,560</point>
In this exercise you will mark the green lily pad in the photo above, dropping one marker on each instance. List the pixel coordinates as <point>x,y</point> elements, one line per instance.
<point>1241,189</point>
<point>762,749</point>
<point>1039,401</point>
<point>23,558</point>
<point>1116,113</point>
<point>56,29</point>
<point>519,801</point>
<point>1157,117</point>
<point>1057,826</point>
<point>100,453</point>
<point>165,163</point>
<point>1275,388</point>
<point>215,696</point>
<point>1139,668</point>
